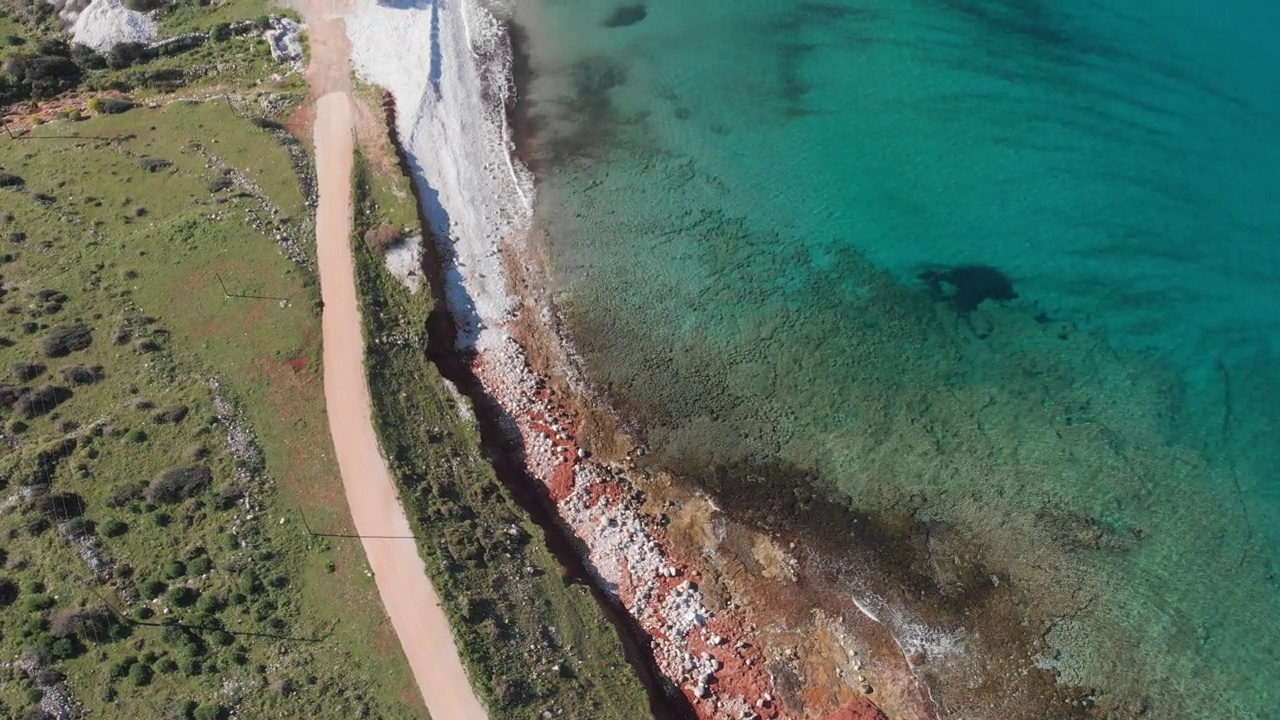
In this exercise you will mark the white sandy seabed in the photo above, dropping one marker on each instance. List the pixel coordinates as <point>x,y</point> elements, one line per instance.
<point>448,65</point>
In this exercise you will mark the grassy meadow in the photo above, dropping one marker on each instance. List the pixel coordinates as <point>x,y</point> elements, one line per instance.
<point>155,479</point>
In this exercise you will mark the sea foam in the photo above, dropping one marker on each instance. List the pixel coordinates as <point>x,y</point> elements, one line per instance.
<point>447,63</point>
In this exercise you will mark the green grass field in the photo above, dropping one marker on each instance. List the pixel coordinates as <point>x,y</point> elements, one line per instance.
<point>209,595</point>
<point>164,448</point>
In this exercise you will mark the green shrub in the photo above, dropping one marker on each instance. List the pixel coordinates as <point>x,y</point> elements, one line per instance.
<point>140,675</point>
<point>114,528</point>
<point>177,484</point>
<point>154,164</point>
<point>153,588</point>
<point>143,6</point>
<point>66,339</point>
<point>200,565</point>
<point>181,596</point>
<point>212,711</point>
<point>209,604</point>
<point>41,400</point>
<point>87,623</point>
<point>8,592</point>
<point>175,569</point>
<point>37,603</point>
<point>42,75</point>
<point>115,106</point>
<point>95,105</point>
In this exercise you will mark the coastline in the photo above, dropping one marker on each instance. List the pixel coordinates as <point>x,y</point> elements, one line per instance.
<point>708,650</point>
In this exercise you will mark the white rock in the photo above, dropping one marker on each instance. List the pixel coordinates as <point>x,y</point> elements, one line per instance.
<point>107,23</point>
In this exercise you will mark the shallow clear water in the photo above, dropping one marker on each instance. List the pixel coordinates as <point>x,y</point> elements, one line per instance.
<point>739,197</point>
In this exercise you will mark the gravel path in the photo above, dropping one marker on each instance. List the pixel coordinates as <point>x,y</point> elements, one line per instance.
<point>410,600</point>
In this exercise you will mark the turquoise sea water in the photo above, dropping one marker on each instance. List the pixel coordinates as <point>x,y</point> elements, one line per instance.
<point>743,203</point>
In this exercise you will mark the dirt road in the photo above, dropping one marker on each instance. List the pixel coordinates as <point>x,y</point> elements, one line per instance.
<point>410,600</point>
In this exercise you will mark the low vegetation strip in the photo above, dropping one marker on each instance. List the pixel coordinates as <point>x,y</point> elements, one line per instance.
<point>534,643</point>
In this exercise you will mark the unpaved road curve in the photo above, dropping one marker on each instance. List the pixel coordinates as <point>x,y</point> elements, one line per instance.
<point>407,594</point>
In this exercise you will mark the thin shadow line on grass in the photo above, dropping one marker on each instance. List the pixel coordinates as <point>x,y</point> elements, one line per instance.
<point>350,536</point>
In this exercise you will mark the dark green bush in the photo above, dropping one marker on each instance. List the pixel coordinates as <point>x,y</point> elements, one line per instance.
<point>114,528</point>
<point>212,711</point>
<point>181,596</point>
<point>125,54</point>
<point>154,164</point>
<point>177,484</point>
<point>41,400</point>
<point>81,374</point>
<point>220,183</point>
<point>86,57</point>
<point>120,668</point>
<point>41,75</point>
<point>39,602</point>
<point>153,588</point>
<point>140,675</point>
<point>8,592</point>
<point>209,604</point>
<point>26,371</point>
<point>143,6</point>
<point>115,106</point>
<point>170,414</point>
<point>87,623</point>
<point>175,569</point>
<point>66,339</point>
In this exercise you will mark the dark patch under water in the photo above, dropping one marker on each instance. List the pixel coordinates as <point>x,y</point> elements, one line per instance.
<point>627,15</point>
<point>967,286</point>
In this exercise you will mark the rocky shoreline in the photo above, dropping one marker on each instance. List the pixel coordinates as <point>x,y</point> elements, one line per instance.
<point>713,643</point>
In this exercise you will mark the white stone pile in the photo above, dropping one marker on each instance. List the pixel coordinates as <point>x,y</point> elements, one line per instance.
<point>107,23</point>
